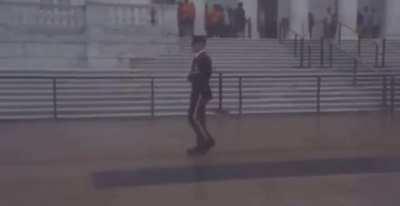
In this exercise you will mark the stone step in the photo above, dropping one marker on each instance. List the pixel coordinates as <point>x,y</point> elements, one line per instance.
<point>84,98</point>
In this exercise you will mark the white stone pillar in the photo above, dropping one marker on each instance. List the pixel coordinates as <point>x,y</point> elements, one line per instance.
<point>299,16</point>
<point>284,9</point>
<point>392,17</point>
<point>251,8</point>
<point>199,24</point>
<point>348,15</point>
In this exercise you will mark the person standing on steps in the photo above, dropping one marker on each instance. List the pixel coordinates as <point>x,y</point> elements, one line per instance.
<point>201,94</point>
<point>217,21</point>
<point>240,20</point>
<point>187,15</point>
<point>179,19</point>
<point>375,24</point>
<point>330,24</point>
<point>365,29</point>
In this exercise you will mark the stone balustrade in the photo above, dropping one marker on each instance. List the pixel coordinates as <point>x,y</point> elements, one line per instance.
<point>76,18</point>
<point>42,17</point>
<point>131,14</point>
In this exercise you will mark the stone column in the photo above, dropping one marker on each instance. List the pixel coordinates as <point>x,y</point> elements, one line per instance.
<point>251,8</point>
<point>392,17</point>
<point>94,19</point>
<point>199,24</point>
<point>299,16</point>
<point>348,15</point>
<point>284,9</point>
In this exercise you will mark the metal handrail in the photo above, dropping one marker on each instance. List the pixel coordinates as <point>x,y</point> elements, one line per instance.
<point>301,44</point>
<point>249,25</point>
<point>357,58</point>
<point>215,76</point>
<point>299,47</point>
<point>220,76</point>
<point>357,61</point>
<point>372,42</point>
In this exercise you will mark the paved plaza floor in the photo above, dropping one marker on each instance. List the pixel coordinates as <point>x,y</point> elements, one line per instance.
<point>341,159</point>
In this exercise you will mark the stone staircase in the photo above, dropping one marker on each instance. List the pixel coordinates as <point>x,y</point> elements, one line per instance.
<point>88,97</point>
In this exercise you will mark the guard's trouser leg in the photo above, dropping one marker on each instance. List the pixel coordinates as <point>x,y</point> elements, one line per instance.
<point>192,113</point>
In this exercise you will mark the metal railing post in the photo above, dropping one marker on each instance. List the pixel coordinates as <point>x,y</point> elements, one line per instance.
<point>359,45</point>
<point>250,28</point>
<point>240,96</point>
<point>392,94</point>
<point>302,53</point>
<point>152,98</point>
<point>319,94</point>
<point>295,45</point>
<point>340,33</point>
<point>330,55</point>
<point>322,51</point>
<point>280,33</point>
<point>309,57</point>
<point>55,109</point>
<point>355,68</point>
<point>384,92</point>
<point>384,53</point>
<point>220,92</point>
<point>376,55</point>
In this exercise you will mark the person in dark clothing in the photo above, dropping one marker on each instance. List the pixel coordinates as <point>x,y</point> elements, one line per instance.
<point>330,24</point>
<point>240,20</point>
<point>201,94</point>
<point>231,25</point>
<point>375,24</point>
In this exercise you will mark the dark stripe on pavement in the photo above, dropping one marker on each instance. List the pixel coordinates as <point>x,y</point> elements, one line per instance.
<point>194,174</point>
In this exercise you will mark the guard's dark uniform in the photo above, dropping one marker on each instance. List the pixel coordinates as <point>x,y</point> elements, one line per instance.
<point>201,94</point>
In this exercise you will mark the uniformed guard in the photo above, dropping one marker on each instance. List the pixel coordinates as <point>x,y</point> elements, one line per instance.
<point>201,94</point>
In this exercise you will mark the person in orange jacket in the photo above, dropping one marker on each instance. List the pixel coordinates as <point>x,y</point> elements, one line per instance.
<point>217,20</point>
<point>187,14</point>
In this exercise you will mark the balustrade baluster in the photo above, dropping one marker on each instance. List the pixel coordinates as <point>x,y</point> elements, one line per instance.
<point>69,15</point>
<point>114,15</point>
<point>134,16</point>
<point>123,16</point>
<point>119,15</point>
<point>140,16</point>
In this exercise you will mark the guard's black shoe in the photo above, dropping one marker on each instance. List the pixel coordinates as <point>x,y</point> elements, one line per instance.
<point>210,143</point>
<point>197,151</point>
